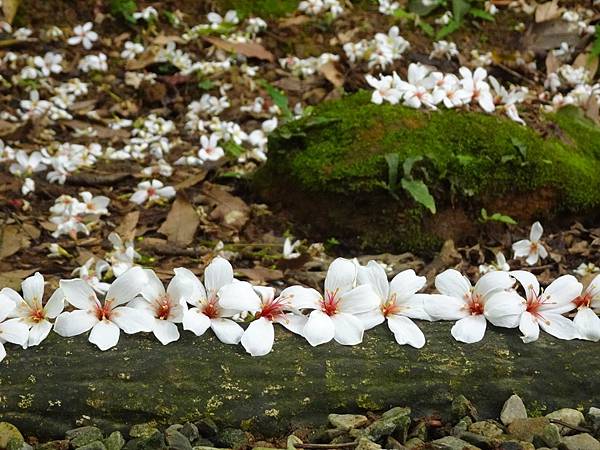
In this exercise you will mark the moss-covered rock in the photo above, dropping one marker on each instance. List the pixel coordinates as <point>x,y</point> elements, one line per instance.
<point>330,169</point>
<point>48,389</point>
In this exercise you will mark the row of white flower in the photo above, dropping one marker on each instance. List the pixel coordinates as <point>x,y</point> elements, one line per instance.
<point>355,298</point>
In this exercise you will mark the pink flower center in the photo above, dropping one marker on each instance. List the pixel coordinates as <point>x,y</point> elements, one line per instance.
<point>390,307</point>
<point>583,301</point>
<point>151,191</point>
<point>37,315</point>
<point>272,309</point>
<point>210,308</point>
<point>329,303</point>
<point>104,311</point>
<point>163,308</point>
<point>474,304</point>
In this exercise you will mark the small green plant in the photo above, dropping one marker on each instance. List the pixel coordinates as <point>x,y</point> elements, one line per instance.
<point>496,217</point>
<point>123,9</point>
<point>417,189</point>
<point>279,98</point>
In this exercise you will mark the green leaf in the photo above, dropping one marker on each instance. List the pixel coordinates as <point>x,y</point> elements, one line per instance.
<point>459,9</point>
<point>403,14</point>
<point>447,29</point>
<point>496,217</point>
<point>232,149</point>
<point>520,146</point>
<point>408,164</point>
<point>123,9</point>
<point>596,47</point>
<point>481,14</point>
<point>420,193</point>
<point>419,8</point>
<point>206,84</point>
<point>279,98</point>
<point>393,161</point>
<point>427,29</point>
<point>465,160</point>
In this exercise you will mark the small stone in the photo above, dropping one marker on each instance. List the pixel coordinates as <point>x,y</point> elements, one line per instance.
<point>393,443</point>
<point>84,435</point>
<point>486,428</point>
<point>396,420</point>
<point>232,438</point>
<point>114,441</point>
<point>414,443</point>
<point>7,432</point>
<point>549,436</point>
<point>526,429</point>
<point>594,419</point>
<point>516,445</point>
<point>190,431</point>
<point>201,442</point>
<point>582,441</point>
<point>462,426</point>
<point>96,445</point>
<point>176,440</point>
<point>477,440</point>
<point>366,444</point>
<point>55,445</point>
<point>142,430</point>
<point>452,443</point>
<point>292,441</point>
<point>204,447</point>
<point>207,428</point>
<point>347,421</point>
<point>566,415</point>
<point>513,408</point>
<point>462,406</point>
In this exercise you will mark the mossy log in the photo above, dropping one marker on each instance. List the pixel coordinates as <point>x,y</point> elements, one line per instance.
<point>48,389</point>
<point>329,170</point>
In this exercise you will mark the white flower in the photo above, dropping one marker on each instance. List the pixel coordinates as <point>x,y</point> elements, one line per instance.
<point>545,309</point>
<point>148,14</point>
<point>50,63</point>
<point>93,63</point>
<point>12,330</point>
<point>444,49</point>
<point>29,309</point>
<point>210,150</point>
<point>123,255</point>
<point>586,269</point>
<point>28,186</point>
<point>479,91</point>
<point>415,93</point>
<point>208,310</point>
<point>385,89</point>
<point>531,248</point>
<point>151,191</point>
<point>399,303</point>
<point>587,304</point>
<point>106,318</point>
<point>83,34</point>
<point>446,89</point>
<point>131,50</point>
<point>27,164</point>
<point>259,336</point>
<point>93,276</point>
<point>288,249</point>
<point>166,307</point>
<point>465,303</point>
<point>333,314</point>
<point>500,264</point>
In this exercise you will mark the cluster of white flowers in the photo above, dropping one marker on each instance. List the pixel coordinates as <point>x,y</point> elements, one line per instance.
<point>90,63</point>
<point>355,299</point>
<point>381,51</point>
<point>72,216</point>
<point>388,7</point>
<point>426,87</point>
<point>318,7</point>
<point>307,66</point>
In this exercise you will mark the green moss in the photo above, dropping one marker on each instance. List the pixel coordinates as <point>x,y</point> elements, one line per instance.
<point>261,8</point>
<point>469,159</point>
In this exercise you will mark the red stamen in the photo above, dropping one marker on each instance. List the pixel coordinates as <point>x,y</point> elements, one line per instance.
<point>329,304</point>
<point>583,301</point>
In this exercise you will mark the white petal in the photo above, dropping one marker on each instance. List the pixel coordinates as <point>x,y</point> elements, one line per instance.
<point>414,307</point>
<point>443,307</point>
<point>239,295</point>
<point>227,330</point>
<point>9,299</point>
<point>319,328</point>
<point>493,282</point>
<point>349,329</point>
<point>14,331</point>
<point>293,322</point>
<point>536,232</point>
<point>79,294</point>
<point>301,297</point>
<point>33,289</point>
<point>39,332</point>
<point>69,324</point>
<point>359,300</point>
<point>470,329</point>
<point>528,325</point>
<point>139,197</point>
<point>195,321</point>
<point>340,276</point>
<point>2,351</point>
<point>371,319</point>
<point>186,286</point>
<point>406,331</point>
<point>165,331</point>
<point>56,304</point>
<point>527,280</point>
<point>521,248</point>
<point>558,326</point>
<point>259,337</point>
<point>374,274</point>
<point>559,295</point>
<point>132,320</point>
<point>153,288</point>
<point>588,324</point>
<point>533,257</point>
<point>504,309</point>
<point>453,284</point>
<point>104,334</point>
<point>407,283</point>
<point>127,286</point>
<point>218,274</point>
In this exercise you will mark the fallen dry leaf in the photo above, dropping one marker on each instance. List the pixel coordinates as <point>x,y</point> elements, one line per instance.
<point>181,223</point>
<point>552,63</point>
<point>547,11</point>
<point>191,181</point>
<point>544,36</point>
<point>126,228</point>
<point>229,210</point>
<point>261,274</point>
<point>7,128</point>
<point>12,239</point>
<point>332,74</point>
<point>249,49</point>
<point>14,278</point>
<point>589,62</point>
<point>9,9</point>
